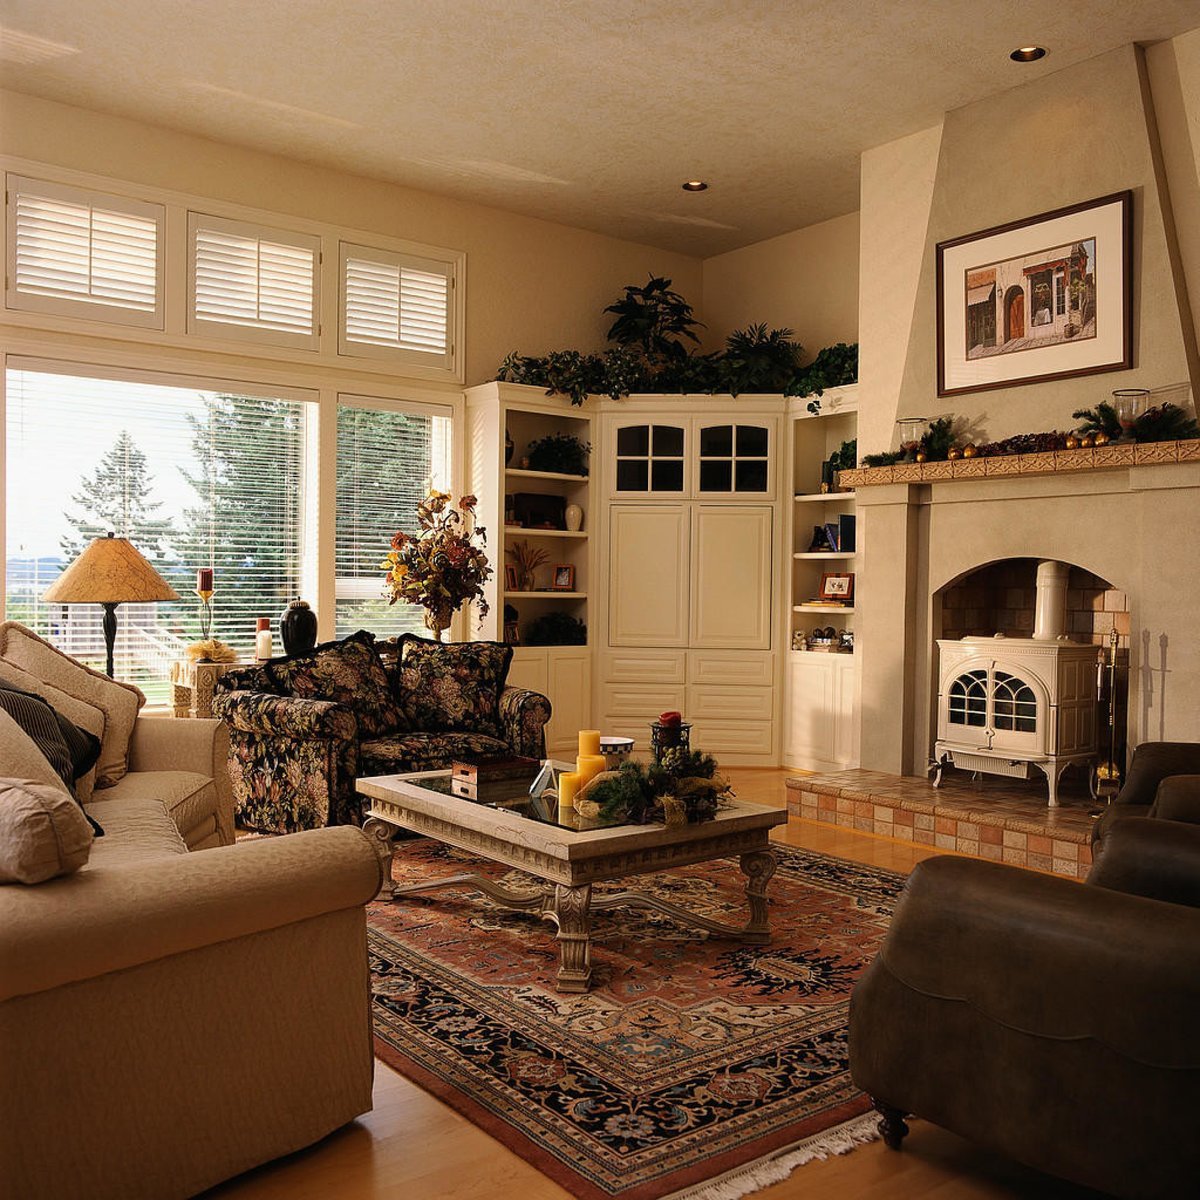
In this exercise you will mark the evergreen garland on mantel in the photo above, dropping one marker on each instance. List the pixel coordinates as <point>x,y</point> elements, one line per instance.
<point>649,354</point>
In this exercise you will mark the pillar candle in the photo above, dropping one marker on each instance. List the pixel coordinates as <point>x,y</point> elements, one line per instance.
<point>588,766</point>
<point>204,579</point>
<point>568,784</point>
<point>589,741</point>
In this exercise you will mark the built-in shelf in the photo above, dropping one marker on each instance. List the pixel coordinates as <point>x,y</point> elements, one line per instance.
<point>517,473</point>
<point>826,554</point>
<point>824,497</point>
<point>826,653</point>
<point>514,530</point>
<point>821,608</point>
<point>545,595</point>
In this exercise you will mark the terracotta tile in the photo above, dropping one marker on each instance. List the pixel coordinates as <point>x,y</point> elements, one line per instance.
<point>989,851</point>
<point>864,824</point>
<point>846,820</point>
<point>864,808</point>
<point>844,806</point>
<point>945,825</point>
<point>944,841</point>
<point>1069,850</point>
<point>969,830</point>
<point>1085,854</point>
<point>884,815</point>
<point>923,836</point>
<point>1039,845</point>
<point>1014,857</point>
<point>904,817</point>
<point>923,822</point>
<point>1039,862</point>
<point>991,835</point>
<point>902,832</point>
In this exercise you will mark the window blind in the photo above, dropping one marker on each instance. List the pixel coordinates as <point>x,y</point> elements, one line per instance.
<point>395,303</point>
<point>84,253</point>
<point>253,282</point>
<point>193,478</point>
<point>386,462</point>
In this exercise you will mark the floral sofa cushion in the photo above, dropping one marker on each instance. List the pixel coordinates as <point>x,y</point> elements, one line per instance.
<point>403,752</point>
<point>349,673</point>
<point>452,686</point>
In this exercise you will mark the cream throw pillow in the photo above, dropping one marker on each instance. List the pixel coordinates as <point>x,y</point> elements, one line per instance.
<point>86,716</point>
<point>119,702</point>
<point>43,832</point>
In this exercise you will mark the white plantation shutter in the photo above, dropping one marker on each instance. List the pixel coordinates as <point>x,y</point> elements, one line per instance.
<point>386,462</point>
<point>220,483</point>
<point>396,305</point>
<point>253,282</point>
<point>80,253</point>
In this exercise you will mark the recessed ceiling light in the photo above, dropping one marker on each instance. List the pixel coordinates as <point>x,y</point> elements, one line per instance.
<point>695,185</point>
<point>1028,53</point>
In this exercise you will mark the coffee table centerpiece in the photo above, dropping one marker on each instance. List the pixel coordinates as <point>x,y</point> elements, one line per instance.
<point>606,831</point>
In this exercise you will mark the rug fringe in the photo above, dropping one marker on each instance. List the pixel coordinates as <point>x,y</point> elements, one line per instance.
<point>757,1175</point>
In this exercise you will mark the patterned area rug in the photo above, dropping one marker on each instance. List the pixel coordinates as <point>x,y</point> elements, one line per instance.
<point>692,1059</point>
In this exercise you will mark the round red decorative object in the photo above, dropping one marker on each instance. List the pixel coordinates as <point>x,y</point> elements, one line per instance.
<point>670,718</point>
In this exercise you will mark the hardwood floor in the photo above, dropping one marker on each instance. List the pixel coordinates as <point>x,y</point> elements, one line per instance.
<point>416,1148</point>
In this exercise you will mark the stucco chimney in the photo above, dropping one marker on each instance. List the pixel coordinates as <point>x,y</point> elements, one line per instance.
<point>1050,617</point>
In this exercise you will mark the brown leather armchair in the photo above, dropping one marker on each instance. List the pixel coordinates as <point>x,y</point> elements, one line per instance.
<point>1163,781</point>
<point>1050,1021</point>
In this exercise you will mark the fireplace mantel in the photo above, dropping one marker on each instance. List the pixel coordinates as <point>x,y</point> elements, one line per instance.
<point>1051,462</point>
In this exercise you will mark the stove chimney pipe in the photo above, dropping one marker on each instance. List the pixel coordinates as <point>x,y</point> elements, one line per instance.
<point>1050,616</point>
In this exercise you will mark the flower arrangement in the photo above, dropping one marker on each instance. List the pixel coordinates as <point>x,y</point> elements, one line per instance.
<point>444,566</point>
<point>526,558</point>
<point>684,786</point>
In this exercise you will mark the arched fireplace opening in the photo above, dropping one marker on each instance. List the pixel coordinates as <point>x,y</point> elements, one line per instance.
<point>1021,679</point>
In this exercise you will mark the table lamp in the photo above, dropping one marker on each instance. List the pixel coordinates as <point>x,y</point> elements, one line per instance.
<point>109,572</point>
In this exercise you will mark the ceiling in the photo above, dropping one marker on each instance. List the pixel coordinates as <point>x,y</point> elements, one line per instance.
<point>588,112</point>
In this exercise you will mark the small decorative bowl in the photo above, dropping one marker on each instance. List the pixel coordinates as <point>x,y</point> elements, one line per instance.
<point>616,750</point>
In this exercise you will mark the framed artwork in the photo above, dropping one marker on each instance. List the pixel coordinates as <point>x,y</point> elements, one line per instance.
<point>1045,298</point>
<point>837,586</point>
<point>562,577</point>
<point>510,578</point>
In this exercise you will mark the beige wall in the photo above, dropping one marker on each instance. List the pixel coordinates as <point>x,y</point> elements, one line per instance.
<point>532,285</point>
<point>806,280</point>
<point>1082,132</point>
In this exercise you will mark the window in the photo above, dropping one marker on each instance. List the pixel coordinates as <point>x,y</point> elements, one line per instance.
<point>386,462</point>
<point>249,281</point>
<point>968,699</point>
<point>194,476</point>
<point>79,253</point>
<point>650,458</point>
<point>733,458</point>
<point>397,305</point>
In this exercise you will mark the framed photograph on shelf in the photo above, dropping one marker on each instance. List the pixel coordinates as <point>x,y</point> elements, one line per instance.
<point>1047,297</point>
<point>837,587</point>
<point>510,578</point>
<point>562,577</point>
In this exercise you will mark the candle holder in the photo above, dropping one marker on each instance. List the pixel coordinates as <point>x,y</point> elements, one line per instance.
<point>206,595</point>
<point>671,736</point>
<point>1129,404</point>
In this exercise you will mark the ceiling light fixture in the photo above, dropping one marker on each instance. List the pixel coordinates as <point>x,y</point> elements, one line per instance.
<point>1028,53</point>
<point>695,185</point>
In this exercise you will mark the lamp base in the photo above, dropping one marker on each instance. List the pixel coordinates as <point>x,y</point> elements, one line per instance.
<point>110,631</point>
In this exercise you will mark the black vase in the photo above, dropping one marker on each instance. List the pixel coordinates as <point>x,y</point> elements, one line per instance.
<point>298,627</point>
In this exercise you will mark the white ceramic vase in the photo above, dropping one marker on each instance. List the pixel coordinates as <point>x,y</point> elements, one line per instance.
<point>574,518</point>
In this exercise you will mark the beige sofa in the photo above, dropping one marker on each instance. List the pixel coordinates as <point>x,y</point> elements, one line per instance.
<point>169,1019</point>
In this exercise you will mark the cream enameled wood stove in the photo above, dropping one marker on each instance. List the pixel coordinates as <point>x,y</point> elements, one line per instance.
<point>1009,705</point>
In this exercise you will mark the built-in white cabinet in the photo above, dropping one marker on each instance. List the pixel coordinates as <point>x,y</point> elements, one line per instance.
<point>820,731</point>
<point>564,675</point>
<point>649,574</point>
<point>731,576</point>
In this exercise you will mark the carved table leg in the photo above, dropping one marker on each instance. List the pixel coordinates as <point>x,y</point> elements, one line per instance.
<point>570,910</point>
<point>758,869</point>
<point>892,1126</point>
<point>381,833</point>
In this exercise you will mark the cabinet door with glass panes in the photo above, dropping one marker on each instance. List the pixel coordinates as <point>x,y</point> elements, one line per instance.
<point>706,457</point>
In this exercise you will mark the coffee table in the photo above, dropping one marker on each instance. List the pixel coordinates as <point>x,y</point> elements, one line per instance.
<point>567,854</point>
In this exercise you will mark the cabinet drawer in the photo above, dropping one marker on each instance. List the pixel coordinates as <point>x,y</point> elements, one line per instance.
<point>645,666</point>
<point>731,667</point>
<point>732,737</point>
<point>640,701</point>
<point>716,702</point>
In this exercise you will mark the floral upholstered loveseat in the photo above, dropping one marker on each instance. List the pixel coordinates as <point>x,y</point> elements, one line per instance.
<point>303,729</point>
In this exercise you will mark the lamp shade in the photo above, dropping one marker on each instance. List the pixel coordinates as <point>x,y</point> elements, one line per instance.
<point>110,571</point>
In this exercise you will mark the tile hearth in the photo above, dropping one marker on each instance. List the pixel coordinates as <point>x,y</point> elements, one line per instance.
<point>1003,820</point>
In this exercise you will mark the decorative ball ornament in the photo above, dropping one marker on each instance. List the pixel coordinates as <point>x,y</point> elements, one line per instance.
<point>1072,442</point>
<point>1087,441</point>
<point>921,456</point>
<point>970,450</point>
<point>1100,438</point>
<point>954,454</point>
